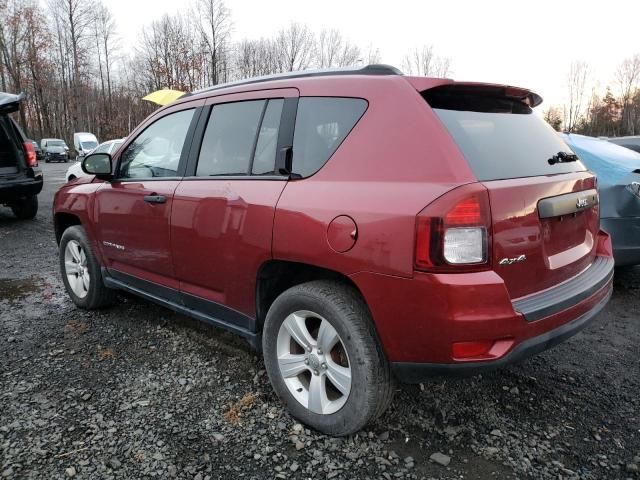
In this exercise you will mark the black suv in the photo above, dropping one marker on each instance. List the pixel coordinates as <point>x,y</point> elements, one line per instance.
<point>20,176</point>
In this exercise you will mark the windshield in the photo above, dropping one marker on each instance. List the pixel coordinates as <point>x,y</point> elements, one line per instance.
<point>55,143</point>
<point>88,145</point>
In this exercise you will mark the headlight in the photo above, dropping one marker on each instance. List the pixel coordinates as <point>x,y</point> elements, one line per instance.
<point>634,187</point>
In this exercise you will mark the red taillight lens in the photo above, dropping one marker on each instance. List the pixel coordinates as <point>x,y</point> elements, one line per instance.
<point>30,154</point>
<point>453,233</point>
<point>467,212</point>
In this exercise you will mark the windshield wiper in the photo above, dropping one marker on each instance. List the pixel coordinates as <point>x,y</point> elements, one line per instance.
<point>563,157</point>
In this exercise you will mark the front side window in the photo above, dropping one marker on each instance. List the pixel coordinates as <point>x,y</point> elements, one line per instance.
<point>229,139</point>
<point>322,124</point>
<point>157,150</point>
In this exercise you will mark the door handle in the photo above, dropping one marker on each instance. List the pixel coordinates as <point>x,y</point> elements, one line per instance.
<point>155,198</point>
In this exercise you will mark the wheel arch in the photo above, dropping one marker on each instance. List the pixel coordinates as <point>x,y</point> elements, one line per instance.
<point>62,221</point>
<point>276,276</point>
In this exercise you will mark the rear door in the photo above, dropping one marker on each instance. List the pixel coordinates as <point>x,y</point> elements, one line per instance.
<point>545,213</point>
<point>222,218</point>
<point>133,211</point>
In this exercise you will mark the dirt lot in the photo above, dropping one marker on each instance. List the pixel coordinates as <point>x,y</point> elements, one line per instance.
<point>137,391</point>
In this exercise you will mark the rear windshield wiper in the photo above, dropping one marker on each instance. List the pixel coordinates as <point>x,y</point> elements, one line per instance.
<point>563,157</point>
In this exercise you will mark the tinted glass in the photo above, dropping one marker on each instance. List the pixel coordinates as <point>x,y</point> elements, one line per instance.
<point>265,156</point>
<point>103,148</point>
<point>156,151</point>
<point>229,139</point>
<point>500,137</point>
<point>115,146</point>
<point>322,123</point>
<point>88,145</point>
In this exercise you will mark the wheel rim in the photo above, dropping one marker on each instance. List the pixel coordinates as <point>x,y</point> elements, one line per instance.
<point>313,362</point>
<point>75,266</point>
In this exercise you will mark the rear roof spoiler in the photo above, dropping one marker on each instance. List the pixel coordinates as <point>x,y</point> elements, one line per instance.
<point>10,102</point>
<point>524,95</point>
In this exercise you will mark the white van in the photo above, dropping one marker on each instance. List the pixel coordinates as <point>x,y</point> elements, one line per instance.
<point>84,143</point>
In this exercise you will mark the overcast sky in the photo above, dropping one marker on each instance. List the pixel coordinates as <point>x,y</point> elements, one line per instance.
<point>523,43</point>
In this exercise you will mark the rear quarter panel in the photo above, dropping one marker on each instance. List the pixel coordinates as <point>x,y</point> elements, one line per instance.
<point>395,161</point>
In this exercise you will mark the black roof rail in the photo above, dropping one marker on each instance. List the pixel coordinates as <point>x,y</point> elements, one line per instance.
<point>373,69</point>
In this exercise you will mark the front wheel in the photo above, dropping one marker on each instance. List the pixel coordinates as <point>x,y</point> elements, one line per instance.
<point>25,208</point>
<point>323,357</point>
<point>81,272</point>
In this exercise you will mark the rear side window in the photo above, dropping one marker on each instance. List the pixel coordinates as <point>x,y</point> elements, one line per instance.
<point>322,123</point>
<point>229,140</point>
<point>500,137</point>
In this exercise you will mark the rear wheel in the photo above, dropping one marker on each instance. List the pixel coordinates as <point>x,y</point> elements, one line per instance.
<point>81,272</point>
<point>323,358</point>
<point>25,208</point>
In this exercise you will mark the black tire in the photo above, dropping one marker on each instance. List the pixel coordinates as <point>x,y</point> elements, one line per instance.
<point>371,381</point>
<point>25,208</point>
<point>98,295</point>
<point>46,161</point>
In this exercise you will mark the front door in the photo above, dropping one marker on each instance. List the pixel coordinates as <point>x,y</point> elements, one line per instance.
<point>222,218</point>
<point>133,211</point>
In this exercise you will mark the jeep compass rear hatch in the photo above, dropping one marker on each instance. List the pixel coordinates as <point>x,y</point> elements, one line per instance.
<point>544,206</point>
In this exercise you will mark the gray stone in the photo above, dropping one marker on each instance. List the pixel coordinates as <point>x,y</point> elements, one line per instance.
<point>440,459</point>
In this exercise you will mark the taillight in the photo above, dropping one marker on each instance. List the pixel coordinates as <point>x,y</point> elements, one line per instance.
<point>453,233</point>
<point>30,154</point>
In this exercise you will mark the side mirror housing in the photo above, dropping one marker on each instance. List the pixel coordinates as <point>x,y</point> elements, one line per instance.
<point>98,164</point>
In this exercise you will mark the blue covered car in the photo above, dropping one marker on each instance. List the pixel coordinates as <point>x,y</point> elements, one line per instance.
<point>618,171</point>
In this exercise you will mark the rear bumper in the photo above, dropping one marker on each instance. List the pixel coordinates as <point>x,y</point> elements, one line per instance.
<point>416,372</point>
<point>419,320</point>
<point>13,190</point>
<point>625,236</point>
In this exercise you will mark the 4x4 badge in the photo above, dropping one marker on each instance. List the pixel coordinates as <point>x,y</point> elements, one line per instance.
<point>511,261</point>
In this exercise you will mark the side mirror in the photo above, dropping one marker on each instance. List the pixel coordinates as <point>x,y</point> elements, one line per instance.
<point>98,164</point>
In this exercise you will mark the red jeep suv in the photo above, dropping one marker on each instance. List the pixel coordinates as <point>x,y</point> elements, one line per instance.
<point>355,225</point>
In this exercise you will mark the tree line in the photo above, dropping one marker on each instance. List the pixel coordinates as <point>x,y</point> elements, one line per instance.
<point>67,56</point>
<point>590,111</point>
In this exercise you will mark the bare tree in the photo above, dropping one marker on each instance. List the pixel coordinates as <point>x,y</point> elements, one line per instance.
<point>333,50</point>
<point>425,62</point>
<point>296,47</point>
<point>74,19</point>
<point>215,29</point>
<point>576,87</point>
<point>628,78</point>
<point>553,116</point>
<point>373,55</point>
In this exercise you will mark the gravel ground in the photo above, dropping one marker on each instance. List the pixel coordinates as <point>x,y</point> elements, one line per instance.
<point>137,391</point>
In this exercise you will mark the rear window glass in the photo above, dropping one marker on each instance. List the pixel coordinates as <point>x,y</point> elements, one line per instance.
<point>322,123</point>
<point>501,138</point>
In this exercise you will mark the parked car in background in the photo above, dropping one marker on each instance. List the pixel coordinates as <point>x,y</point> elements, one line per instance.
<point>110,147</point>
<point>618,171</point>
<point>38,150</point>
<point>20,175</point>
<point>632,142</point>
<point>84,143</point>
<point>54,150</point>
<point>457,238</point>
